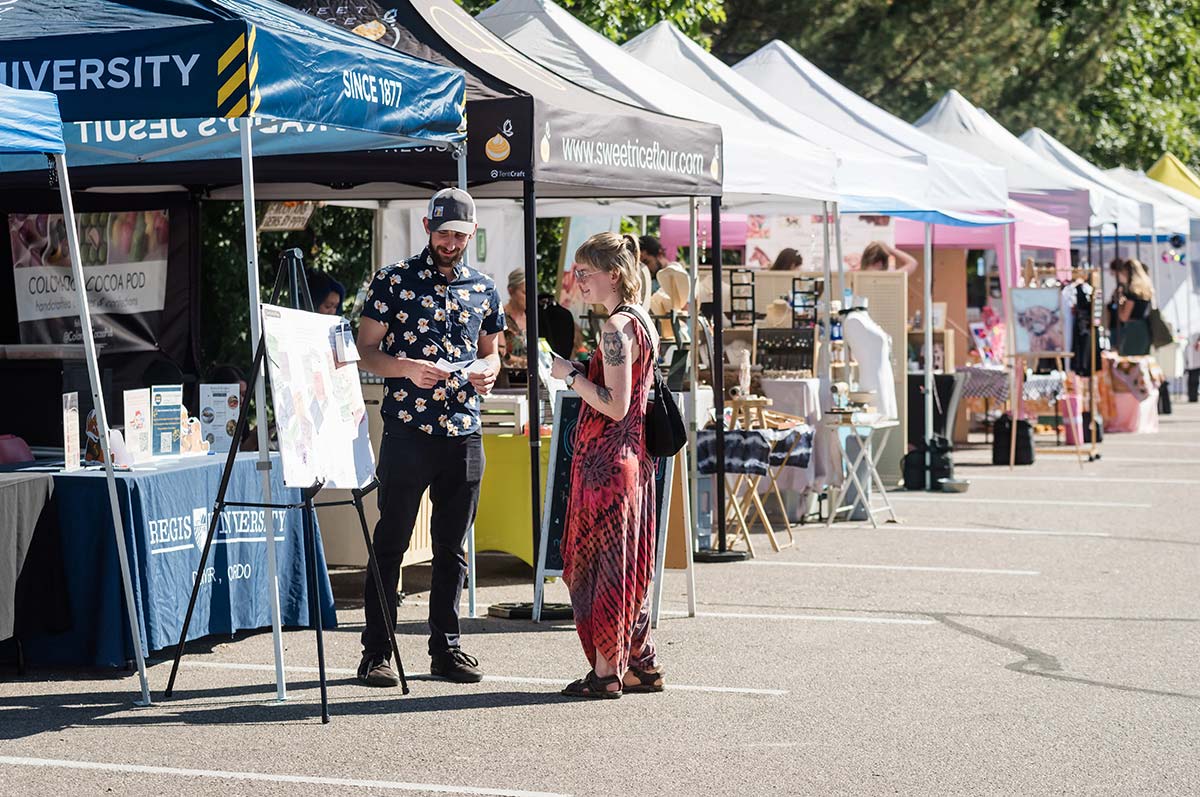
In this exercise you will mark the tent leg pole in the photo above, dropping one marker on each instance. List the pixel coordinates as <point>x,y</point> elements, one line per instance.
<point>722,552</point>
<point>930,382</point>
<point>460,157</point>
<point>693,475</point>
<point>531,334</point>
<point>837,248</point>
<point>260,399</point>
<point>93,366</point>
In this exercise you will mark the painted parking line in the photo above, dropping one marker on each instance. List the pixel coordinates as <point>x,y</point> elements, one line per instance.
<point>893,527</point>
<point>899,568</point>
<point>948,499</point>
<point>1149,460</point>
<point>557,683</point>
<point>266,777</point>
<point>818,618</point>
<point>1051,480</point>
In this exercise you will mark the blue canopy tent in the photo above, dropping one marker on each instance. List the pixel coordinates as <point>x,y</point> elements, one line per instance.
<point>205,60</point>
<point>30,123</point>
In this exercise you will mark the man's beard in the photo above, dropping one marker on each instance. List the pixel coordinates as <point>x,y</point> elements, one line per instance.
<point>439,260</point>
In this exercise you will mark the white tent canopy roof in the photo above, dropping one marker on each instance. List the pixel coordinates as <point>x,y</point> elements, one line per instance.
<point>1142,216</point>
<point>958,180</point>
<point>1032,179</point>
<point>863,170</point>
<point>1162,194</point>
<point>762,165</point>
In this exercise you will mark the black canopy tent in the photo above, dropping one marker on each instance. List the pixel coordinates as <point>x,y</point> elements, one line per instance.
<point>531,133</point>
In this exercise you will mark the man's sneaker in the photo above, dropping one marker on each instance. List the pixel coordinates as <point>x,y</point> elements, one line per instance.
<point>377,671</point>
<point>454,665</point>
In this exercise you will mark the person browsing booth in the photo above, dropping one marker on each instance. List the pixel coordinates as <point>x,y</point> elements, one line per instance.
<point>428,308</point>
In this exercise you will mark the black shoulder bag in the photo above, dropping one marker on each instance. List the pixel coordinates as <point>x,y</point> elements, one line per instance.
<point>665,430</point>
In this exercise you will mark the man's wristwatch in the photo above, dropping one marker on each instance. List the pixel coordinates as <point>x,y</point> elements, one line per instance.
<point>570,378</point>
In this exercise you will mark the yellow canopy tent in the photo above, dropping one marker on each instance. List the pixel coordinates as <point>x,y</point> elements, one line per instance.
<point>1171,171</point>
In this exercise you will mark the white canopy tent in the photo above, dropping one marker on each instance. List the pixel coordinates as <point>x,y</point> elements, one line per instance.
<point>957,180</point>
<point>864,169</point>
<point>763,167</point>
<point>1033,180</point>
<point>1151,216</point>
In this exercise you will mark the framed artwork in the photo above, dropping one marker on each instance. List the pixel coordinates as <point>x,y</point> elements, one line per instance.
<point>1041,323</point>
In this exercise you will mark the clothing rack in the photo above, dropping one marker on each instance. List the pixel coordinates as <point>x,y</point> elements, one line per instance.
<point>1090,274</point>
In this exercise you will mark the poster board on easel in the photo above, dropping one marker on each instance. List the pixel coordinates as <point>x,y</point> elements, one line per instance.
<point>1040,332</point>
<point>320,416</point>
<point>549,562</point>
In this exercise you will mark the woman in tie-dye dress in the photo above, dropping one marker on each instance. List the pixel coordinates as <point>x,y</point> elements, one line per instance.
<point>608,545</point>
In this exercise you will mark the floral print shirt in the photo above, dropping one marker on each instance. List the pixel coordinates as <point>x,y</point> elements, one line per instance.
<point>430,317</point>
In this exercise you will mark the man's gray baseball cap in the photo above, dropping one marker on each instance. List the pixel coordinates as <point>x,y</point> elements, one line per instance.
<point>452,209</point>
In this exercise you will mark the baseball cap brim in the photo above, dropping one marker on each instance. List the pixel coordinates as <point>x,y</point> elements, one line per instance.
<point>467,227</point>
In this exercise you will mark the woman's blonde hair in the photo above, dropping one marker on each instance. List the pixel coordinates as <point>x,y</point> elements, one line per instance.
<point>612,253</point>
<point>1139,283</point>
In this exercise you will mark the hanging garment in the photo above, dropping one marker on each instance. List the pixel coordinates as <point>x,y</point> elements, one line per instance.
<point>1081,330</point>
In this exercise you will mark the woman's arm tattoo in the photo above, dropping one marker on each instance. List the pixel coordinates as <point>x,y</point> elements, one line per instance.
<point>604,394</point>
<point>613,344</point>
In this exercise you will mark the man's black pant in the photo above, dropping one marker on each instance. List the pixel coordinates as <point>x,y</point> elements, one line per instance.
<point>1193,383</point>
<point>451,468</point>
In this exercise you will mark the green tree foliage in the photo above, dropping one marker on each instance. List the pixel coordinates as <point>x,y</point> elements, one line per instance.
<point>621,20</point>
<point>1149,100</point>
<point>1116,80</point>
<point>337,241</point>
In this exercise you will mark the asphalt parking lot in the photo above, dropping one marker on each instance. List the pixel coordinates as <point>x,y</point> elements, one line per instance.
<point>1038,634</point>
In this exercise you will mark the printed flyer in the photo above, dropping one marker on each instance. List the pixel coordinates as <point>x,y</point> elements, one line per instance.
<point>166,415</point>
<point>219,406</point>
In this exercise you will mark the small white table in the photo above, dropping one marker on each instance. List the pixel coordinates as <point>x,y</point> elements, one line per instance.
<point>864,432</point>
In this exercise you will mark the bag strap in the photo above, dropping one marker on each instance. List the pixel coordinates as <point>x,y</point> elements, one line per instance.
<point>655,373</point>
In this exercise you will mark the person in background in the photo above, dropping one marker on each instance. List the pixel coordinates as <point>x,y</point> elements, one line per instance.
<point>430,307</point>
<point>327,293</point>
<point>1191,362</point>
<point>653,257</point>
<point>880,256</point>
<point>608,543</point>
<point>514,346</point>
<point>788,260</point>
<point>1129,308</point>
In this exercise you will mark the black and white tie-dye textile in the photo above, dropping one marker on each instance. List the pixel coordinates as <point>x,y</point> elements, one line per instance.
<point>748,451</point>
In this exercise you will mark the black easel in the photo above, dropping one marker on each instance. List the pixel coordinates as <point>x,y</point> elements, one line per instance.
<point>291,263</point>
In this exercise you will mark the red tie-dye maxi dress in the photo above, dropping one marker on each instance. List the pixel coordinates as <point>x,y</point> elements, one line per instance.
<point>608,547</point>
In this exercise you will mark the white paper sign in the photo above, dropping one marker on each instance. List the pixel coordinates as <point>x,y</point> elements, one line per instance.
<point>320,416</point>
<point>137,424</point>
<point>71,431</point>
<point>219,407</point>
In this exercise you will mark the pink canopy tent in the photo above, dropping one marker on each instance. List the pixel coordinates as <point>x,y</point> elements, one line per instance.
<point>1033,229</point>
<point>676,231</point>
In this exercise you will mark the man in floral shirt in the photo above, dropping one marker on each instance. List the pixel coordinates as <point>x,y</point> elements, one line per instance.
<point>428,308</point>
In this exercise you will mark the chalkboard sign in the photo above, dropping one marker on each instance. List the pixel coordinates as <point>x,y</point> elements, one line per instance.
<point>567,406</point>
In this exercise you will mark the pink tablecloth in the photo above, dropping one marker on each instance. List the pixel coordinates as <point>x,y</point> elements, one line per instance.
<point>1133,415</point>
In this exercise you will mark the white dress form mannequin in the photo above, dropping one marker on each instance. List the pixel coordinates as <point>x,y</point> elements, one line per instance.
<point>871,347</point>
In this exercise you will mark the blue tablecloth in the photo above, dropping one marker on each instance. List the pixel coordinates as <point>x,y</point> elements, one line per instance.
<point>165,508</point>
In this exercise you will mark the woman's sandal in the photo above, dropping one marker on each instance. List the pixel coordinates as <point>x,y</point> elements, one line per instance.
<point>594,687</point>
<point>648,681</point>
